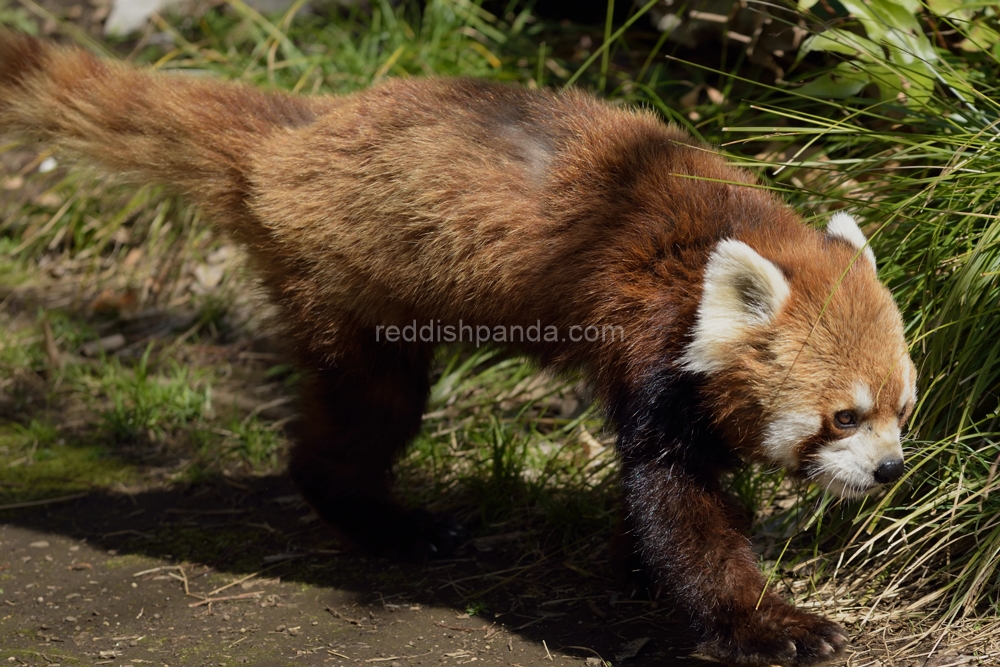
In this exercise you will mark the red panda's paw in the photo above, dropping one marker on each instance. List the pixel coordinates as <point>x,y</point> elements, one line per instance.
<point>429,535</point>
<point>408,535</point>
<point>778,635</point>
<point>635,579</point>
<point>638,585</point>
<point>378,526</point>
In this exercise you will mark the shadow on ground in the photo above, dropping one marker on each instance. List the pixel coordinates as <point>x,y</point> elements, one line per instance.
<point>112,576</point>
<point>103,577</point>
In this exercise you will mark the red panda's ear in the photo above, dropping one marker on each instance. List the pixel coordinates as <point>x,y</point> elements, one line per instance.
<point>843,226</point>
<point>741,291</point>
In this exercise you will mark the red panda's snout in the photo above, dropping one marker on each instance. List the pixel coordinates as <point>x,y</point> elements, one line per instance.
<point>859,444</point>
<point>815,356</point>
<point>854,465</point>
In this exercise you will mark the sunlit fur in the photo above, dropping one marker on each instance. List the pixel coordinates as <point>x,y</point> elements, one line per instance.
<point>833,342</point>
<point>742,291</point>
<point>745,331</point>
<point>844,226</point>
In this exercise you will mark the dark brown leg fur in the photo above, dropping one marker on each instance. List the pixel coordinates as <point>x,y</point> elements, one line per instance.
<point>356,418</point>
<point>688,539</point>
<point>625,549</point>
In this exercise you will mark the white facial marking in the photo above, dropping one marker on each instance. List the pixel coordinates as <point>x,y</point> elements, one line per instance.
<point>783,434</point>
<point>905,393</point>
<point>863,401</point>
<point>909,385</point>
<point>847,467</point>
<point>741,290</point>
<point>844,226</point>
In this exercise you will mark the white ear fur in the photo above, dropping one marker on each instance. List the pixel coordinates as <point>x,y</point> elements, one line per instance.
<point>844,226</point>
<point>741,290</point>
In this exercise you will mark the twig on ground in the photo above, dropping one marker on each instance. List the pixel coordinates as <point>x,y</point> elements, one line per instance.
<point>452,627</point>
<point>47,501</point>
<point>230,585</point>
<point>393,657</point>
<point>227,598</point>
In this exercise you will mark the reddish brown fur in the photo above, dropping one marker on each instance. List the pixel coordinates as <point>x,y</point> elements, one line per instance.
<point>859,310</point>
<point>448,200</point>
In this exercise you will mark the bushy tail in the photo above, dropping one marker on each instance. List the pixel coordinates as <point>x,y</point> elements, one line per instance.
<point>196,135</point>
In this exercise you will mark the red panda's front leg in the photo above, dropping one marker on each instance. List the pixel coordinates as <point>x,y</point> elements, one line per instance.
<point>686,538</point>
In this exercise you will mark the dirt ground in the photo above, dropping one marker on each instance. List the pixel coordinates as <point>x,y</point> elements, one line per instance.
<point>86,581</point>
<point>254,580</point>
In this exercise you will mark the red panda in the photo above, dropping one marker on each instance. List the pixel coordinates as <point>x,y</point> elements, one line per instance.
<point>745,334</point>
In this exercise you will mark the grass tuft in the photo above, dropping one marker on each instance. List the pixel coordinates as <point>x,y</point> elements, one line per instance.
<point>921,171</point>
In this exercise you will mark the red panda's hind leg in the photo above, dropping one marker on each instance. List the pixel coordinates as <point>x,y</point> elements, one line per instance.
<point>356,418</point>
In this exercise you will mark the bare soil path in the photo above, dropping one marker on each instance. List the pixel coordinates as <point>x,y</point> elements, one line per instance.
<point>101,580</point>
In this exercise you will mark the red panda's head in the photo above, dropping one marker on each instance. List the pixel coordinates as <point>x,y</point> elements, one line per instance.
<point>804,355</point>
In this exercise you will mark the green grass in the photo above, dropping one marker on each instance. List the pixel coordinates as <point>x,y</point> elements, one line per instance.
<point>498,445</point>
<point>36,468</point>
<point>312,54</point>
<point>152,406</point>
<point>921,170</point>
<point>521,446</point>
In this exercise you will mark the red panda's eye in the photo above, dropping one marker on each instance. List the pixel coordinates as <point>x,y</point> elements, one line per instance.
<point>846,419</point>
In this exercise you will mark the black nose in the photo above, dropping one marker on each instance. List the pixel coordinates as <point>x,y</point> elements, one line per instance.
<point>889,471</point>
